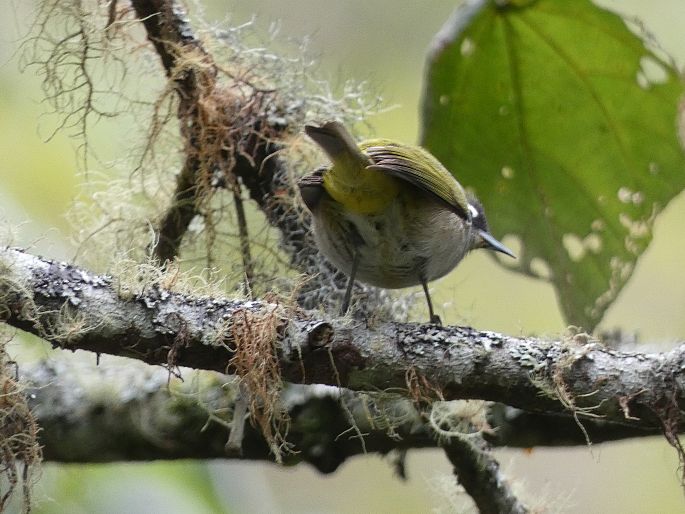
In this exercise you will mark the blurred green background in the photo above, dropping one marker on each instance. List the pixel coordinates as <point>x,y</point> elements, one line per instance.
<point>384,43</point>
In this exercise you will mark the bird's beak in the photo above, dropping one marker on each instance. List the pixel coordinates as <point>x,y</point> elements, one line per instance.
<point>491,243</point>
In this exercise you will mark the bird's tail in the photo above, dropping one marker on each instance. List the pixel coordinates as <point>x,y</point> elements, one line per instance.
<point>338,144</point>
<point>348,181</point>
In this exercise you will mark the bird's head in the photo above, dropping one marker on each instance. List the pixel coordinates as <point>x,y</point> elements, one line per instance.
<point>482,238</point>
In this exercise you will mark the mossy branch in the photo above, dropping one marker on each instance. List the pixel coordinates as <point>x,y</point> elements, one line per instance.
<point>74,309</point>
<point>479,474</point>
<point>170,33</point>
<point>134,412</point>
<point>232,131</point>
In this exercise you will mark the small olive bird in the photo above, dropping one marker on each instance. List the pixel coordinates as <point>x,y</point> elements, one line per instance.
<point>390,214</point>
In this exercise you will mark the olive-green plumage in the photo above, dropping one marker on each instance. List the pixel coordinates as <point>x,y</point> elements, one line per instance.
<point>390,214</point>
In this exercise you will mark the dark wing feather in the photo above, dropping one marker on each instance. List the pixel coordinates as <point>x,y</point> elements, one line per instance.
<point>311,188</point>
<point>400,161</point>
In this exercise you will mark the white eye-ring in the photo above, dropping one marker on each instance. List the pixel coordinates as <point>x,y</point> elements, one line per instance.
<point>473,211</point>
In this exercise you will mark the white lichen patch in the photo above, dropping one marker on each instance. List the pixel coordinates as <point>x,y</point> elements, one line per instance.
<point>593,242</point>
<point>638,231</point>
<point>133,278</point>
<point>197,224</point>
<point>642,80</point>
<point>622,269</point>
<point>458,418</point>
<point>636,228</point>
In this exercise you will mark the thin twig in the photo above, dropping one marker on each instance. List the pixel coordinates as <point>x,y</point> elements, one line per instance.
<point>479,473</point>
<point>248,266</point>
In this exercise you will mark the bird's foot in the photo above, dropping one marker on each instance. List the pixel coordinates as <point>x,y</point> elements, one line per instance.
<point>435,320</point>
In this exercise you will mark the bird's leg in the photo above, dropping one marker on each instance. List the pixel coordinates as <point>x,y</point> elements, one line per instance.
<point>350,283</point>
<point>434,318</point>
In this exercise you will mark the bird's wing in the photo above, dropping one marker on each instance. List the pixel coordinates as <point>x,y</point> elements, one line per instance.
<point>433,178</point>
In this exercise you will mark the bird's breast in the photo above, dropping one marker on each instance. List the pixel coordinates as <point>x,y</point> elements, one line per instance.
<point>412,239</point>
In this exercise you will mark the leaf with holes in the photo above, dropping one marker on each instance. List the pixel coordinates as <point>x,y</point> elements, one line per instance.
<point>563,122</point>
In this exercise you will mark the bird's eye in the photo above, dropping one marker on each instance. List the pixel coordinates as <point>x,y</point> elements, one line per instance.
<point>473,211</point>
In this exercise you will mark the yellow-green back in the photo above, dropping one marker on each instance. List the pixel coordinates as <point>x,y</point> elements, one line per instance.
<point>416,167</point>
<point>365,178</point>
<point>360,190</point>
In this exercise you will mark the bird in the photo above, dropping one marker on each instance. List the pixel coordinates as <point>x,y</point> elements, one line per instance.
<point>390,214</point>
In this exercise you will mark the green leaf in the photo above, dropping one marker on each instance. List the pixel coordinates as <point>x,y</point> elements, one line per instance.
<point>563,122</point>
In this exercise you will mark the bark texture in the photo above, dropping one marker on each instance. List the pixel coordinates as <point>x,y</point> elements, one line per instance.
<point>74,309</point>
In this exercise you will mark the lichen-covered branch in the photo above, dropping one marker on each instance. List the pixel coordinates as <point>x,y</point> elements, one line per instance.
<point>227,126</point>
<point>20,451</point>
<point>73,309</point>
<point>232,131</point>
<point>518,428</point>
<point>170,33</point>
<point>136,412</point>
<point>123,411</point>
<point>479,474</point>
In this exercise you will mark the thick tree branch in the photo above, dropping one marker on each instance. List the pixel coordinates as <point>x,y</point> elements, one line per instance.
<point>517,428</point>
<point>120,411</point>
<point>126,411</point>
<point>73,309</point>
